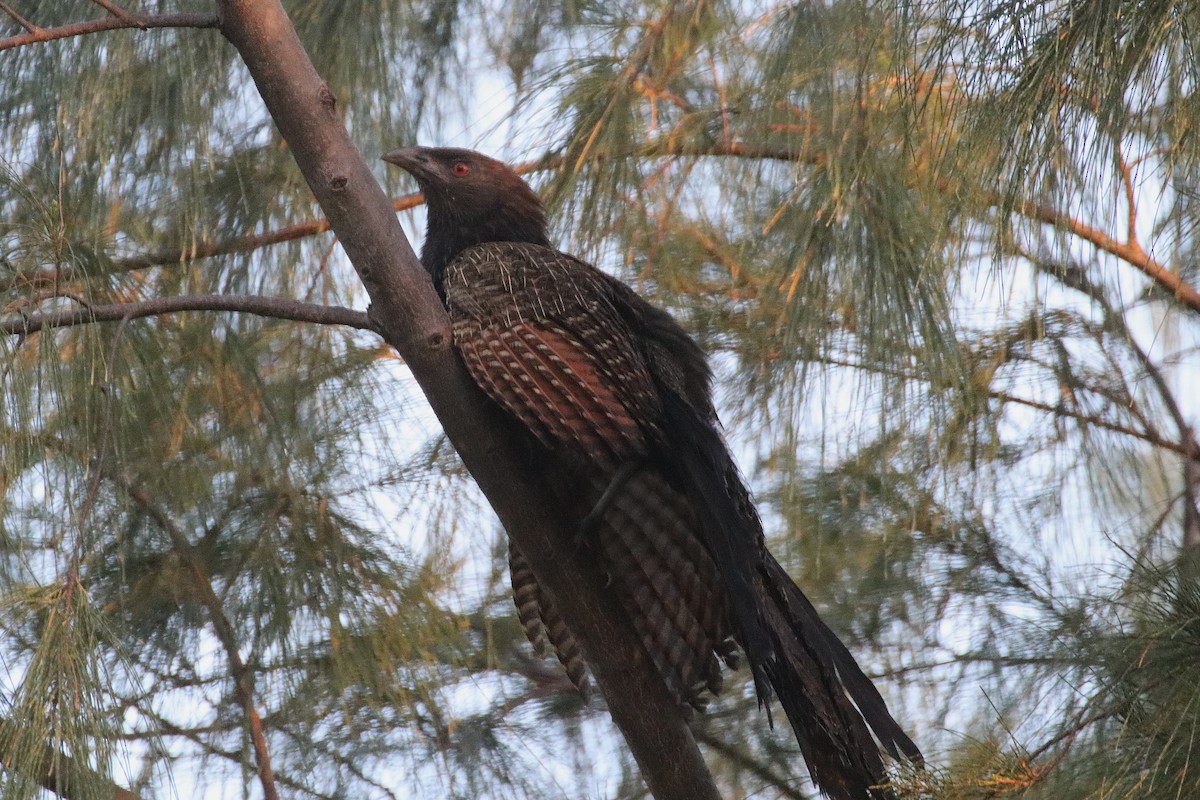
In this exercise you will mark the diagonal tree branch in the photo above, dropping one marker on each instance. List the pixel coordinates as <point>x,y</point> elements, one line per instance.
<point>1076,278</point>
<point>64,775</point>
<point>168,256</point>
<point>194,736</point>
<point>244,244</point>
<point>243,691</point>
<point>411,317</point>
<point>1148,435</point>
<point>20,20</point>
<point>274,307</point>
<point>743,760</point>
<point>1131,252</point>
<point>140,21</point>
<point>119,13</point>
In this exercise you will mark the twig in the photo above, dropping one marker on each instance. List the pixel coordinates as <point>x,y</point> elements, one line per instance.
<point>1068,734</point>
<point>62,774</point>
<point>36,34</point>
<point>24,23</point>
<point>167,256</point>
<point>746,762</point>
<point>120,13</point>
<point>1131,211</point>
<point>223,629</point>
<point>1078,280</point>
<point>1095,420</point>
<point>997,661</point>
<point>345,763</point>
<point>193,735</point>
<point>274,307</point>
<point>1130,252</point>
<point>627,79</point>
<point>1150,437</point>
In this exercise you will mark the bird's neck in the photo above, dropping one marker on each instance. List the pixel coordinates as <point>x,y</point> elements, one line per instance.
<point>449,234</point>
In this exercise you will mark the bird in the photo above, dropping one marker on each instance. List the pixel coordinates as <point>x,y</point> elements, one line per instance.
<point>614,389</point>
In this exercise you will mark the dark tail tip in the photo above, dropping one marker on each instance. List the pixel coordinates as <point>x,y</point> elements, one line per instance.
<point>831,704</point>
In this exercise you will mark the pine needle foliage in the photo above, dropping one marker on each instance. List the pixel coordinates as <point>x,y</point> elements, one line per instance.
<point>943,257</point>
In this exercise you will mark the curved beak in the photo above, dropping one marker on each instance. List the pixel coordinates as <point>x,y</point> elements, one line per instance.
<point>413,160</point>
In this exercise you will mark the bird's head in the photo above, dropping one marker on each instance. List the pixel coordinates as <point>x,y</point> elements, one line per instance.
<point>470,199</point>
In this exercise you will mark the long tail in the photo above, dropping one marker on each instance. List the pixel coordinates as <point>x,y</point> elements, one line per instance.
<point>828,700</point>
<point>831,705</point>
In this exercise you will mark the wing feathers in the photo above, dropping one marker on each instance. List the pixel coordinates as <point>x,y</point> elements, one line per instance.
<point>549,380</point>
<point>604,380</point>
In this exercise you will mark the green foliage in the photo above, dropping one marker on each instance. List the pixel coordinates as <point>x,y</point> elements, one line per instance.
<point>940,255</point>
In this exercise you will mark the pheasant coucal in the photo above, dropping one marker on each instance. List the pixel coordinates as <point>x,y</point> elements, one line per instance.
<point>620,396</point>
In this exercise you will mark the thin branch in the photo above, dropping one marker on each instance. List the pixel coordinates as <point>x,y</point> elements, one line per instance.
<point>1068,734</point>
<point>273,307</point>
<point>1148,436</point>
<point>637,63</point>
<point>991,557</point>
<point>1131,209</point>
<point>781,783</point>
<point>168,256</point>
<point>1077,279</point>
<point>1095,420</point>
<point>998,661</point>
<point>24,23</point>
<point>1130,252</point>
<point>244,244</point>
<point>62,774</point>
<point>119,13</point>
<point>168,728</point>
<point>223,629</point>
<point>109,24</point>
<point>304,739</point>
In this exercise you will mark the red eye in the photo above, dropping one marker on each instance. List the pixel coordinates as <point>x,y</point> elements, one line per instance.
<point>460,168</point>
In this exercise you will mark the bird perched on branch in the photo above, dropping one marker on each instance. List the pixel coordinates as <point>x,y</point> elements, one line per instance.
<point>620,394</point>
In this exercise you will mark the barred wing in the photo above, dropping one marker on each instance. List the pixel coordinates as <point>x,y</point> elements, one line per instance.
<point>538,332</point>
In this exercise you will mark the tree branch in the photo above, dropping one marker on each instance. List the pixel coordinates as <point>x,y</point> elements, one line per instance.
<point>62,774</point>
<point>140,21</point>
<point>168,256</point>
<point>243,691</point>
<point>1149,436</point>
<point>763,772</point>
<point>412,319</point>
<point>24,23</point>
<point>274,307</point>
<point>193,735</point>
<point>118,12</point>
<point>242,244</point>
<point>1130,252</point>
<point>1077,279</point>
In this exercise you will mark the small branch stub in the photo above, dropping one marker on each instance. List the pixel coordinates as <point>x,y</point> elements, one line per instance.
<point>326,97</point>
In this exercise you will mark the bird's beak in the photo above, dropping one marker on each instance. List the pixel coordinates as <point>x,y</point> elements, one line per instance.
<point>413,160</point>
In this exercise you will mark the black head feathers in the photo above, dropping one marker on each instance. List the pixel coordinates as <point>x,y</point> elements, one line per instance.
<point>471,199</point>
